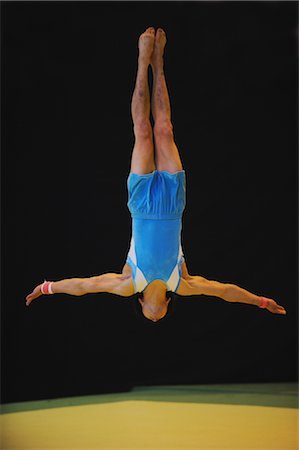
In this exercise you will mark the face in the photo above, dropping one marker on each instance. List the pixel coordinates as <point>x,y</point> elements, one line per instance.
<point>154,310</point>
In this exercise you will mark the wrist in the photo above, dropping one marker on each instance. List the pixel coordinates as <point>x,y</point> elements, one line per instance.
<point>46,287</point>
<point>264,302</point>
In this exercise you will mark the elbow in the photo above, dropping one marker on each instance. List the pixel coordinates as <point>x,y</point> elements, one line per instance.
<point>228,292</point>
<point>82,288</point>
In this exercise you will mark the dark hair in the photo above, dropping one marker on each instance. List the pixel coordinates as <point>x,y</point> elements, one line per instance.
<point>139,312</point>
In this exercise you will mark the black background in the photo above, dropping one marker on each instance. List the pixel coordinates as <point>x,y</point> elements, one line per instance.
<point>68,72</point>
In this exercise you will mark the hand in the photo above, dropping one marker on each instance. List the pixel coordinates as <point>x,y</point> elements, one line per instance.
<point>273,307</point>
<point>34,294</point>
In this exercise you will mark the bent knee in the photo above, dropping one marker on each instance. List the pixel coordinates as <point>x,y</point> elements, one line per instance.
<point>163,130</point>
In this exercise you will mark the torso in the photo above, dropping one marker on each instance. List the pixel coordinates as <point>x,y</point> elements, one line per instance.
<point>156,203</point>
<point>155,252</point>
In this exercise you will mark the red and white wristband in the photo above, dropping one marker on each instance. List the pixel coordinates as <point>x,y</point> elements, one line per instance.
<point>46,287</point>
<point>264,302</point>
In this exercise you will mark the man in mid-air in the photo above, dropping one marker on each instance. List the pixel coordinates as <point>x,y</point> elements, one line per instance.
<point>155,265</point>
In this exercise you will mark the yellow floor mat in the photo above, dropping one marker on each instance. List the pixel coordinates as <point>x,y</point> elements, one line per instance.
<point>137,424</point>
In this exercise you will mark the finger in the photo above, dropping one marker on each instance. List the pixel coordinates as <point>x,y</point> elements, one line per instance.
<point>29,298</point>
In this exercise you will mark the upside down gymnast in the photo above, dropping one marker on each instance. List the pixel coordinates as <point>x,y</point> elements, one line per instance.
<point>155,265</point>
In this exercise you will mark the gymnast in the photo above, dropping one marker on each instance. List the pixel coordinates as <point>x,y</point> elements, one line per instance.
<point>155,266</point>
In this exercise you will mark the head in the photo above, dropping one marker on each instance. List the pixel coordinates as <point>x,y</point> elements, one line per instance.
<point>154,302</point>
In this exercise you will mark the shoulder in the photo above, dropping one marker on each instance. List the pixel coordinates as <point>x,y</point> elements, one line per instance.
<point>185,273</point>
<point>126,270</point>
<point>115,283</point>
<point>124,286</point>
<point>197,285</point>
<point>192,285</point>
<point>185,286</point>
<point>123,282</point>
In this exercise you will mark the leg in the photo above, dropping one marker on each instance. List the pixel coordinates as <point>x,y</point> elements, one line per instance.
<point>143,151</point>
<point>167,154</point>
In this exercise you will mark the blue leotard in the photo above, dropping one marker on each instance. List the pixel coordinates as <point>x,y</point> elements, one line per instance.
<point>156,203</point>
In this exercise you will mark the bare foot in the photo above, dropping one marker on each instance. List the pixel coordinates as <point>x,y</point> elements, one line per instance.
<point>146,45</point>
<point>160,42</point>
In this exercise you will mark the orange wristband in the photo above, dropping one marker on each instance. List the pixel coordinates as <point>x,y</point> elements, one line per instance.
<point>264,302</point>
<point>46,288</point>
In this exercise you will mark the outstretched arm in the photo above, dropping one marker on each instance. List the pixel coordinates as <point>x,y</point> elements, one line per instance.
<point>113,283</point>
<point>196,285</point>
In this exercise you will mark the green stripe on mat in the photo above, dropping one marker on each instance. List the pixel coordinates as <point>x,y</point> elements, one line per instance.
<point>281,395</point>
